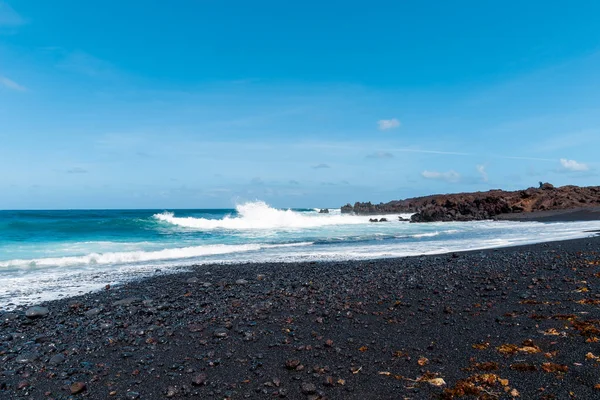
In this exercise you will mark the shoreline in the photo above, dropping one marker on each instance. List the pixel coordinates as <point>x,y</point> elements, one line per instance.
<point>580,214</point>
<point>569,215</point>
<point>336,330</point>
<point>178,269</point>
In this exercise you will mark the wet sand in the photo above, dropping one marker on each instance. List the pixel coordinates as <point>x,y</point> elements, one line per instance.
<point>514,322</point>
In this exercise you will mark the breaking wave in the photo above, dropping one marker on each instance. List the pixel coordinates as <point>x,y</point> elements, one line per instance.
<point>259,215</point>
<point>143,256</point>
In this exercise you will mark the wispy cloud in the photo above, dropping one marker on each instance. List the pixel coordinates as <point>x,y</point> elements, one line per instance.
<point>386,124</point>
<point>380,155</point>
<point>524,158</point>
<point>482,172</point>
<point>9,17</point>
<point>412,150</point>
<point>10,84</point>
<point>85,64</point>
<point>573,166</point>
<point>257,181</point>
<point>294,182</point>
<point>416,149</point>
<point>570,140</point>
<point>450,176</point>
<point>77,170</point>
<point>321,166</point>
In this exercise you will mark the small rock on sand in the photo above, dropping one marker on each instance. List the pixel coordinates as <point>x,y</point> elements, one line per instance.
<point>57,359</point>
<point>220,333</point>
<point>77,387</point>
<point>37,312</point>
<point>127,301</point>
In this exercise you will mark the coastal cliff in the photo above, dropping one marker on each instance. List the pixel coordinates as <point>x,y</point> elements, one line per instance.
<point>484,205</point>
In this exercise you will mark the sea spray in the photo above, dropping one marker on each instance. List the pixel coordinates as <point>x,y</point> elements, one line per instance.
<point>259,215</point>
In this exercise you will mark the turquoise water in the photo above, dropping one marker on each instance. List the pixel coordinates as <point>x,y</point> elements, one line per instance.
<point>50,254</point>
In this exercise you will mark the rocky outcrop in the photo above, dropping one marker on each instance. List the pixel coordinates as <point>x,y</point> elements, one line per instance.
<point>484,205</point>
<point>324,211</point>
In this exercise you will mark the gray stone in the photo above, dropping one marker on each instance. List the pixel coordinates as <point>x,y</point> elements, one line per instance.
<point>199,380</point>
<point>171,391</point>
<point>26,358</point>
<point>241,282</point>
<point>220,333</point>
<point>127,301</point>
<point>57,359</point>
<point>93,312</point>
<point>308,388</point>
<point>37,312</point>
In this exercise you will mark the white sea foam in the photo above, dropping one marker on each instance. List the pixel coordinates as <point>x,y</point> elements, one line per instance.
<point>433,234</point>
<point>259,215</point>
<point>115,258</point>
<point>428,234</point>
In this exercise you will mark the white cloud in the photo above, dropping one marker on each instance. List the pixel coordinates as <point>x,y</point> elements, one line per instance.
<point>10,84</point>
<point>8,16</point>
<point>450,176</point>
<point>573,166</point>
<point>482,172</point>
<point>381,155</point>
<point>385,124</point>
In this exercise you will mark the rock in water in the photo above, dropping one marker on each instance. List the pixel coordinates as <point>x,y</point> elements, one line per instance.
<point>37,312</point>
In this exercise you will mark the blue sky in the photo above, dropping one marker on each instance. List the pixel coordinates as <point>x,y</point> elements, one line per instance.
<point>140,104</point>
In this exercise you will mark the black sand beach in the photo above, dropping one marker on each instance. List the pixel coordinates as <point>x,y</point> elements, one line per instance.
<point>577,214</point>
<point>520,322</point>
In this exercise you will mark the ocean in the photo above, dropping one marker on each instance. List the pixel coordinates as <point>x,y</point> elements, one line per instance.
<point>47,255</point>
